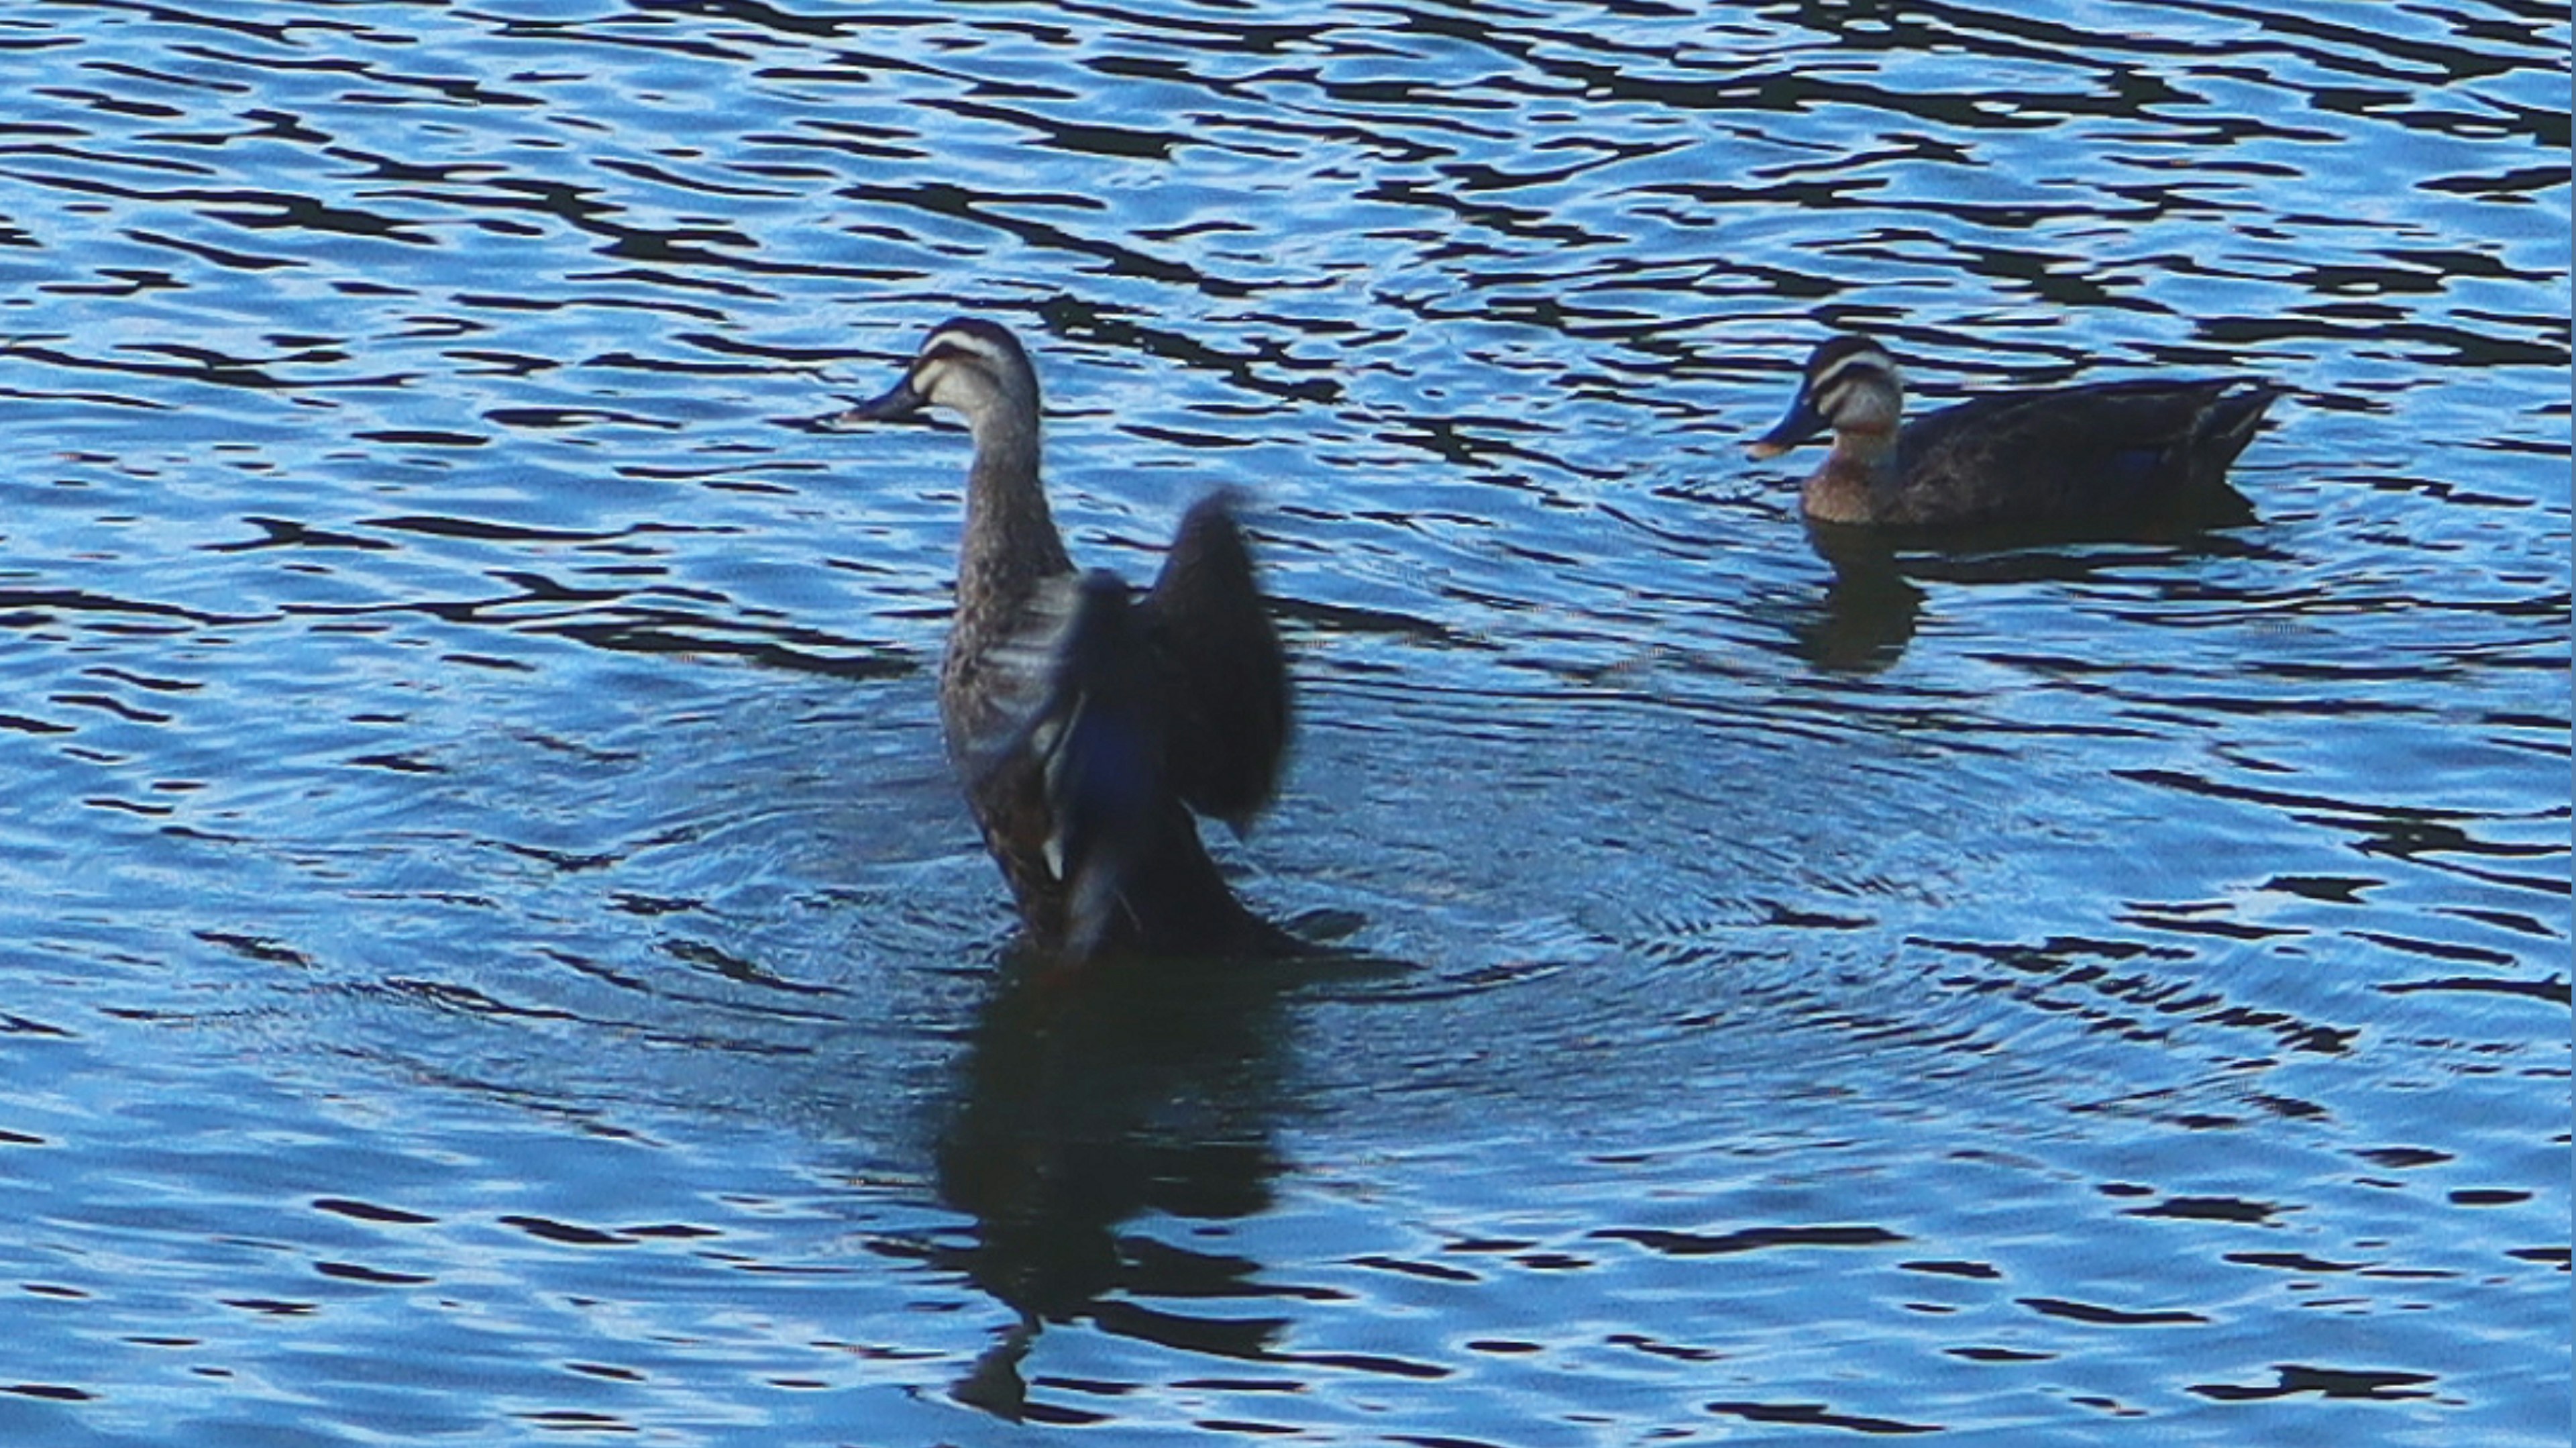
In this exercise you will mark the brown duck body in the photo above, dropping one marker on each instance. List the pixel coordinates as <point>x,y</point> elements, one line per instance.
<point>2059,455</point>
<point>1171,900</point>
<point>1086,724</point>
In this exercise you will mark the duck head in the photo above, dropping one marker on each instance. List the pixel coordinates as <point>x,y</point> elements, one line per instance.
<point>1851,386</point>
<point>967,365</point>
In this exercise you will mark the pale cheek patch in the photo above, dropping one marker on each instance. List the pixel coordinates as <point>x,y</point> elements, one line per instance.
<point>966,342</point>
<point>1866,361</point>
<point>1824,381</point>
<point>1856,403</point>
<point>952,380</point>
<point>1857,391</point>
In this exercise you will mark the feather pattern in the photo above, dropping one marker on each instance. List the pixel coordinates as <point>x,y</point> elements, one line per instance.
<point>1087,721</point>
<point>2067,454</point>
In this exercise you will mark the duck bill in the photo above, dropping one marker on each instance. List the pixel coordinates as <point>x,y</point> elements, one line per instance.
<point>896,403</point>
<point>1803,424</point>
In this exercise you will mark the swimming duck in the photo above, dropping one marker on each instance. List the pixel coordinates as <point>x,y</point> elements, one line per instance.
<point>2064,454</point>
<point>1087,721</point>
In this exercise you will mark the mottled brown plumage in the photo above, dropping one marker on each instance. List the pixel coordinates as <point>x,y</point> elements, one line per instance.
<point>1086,722</point>
<point>2061,455</point>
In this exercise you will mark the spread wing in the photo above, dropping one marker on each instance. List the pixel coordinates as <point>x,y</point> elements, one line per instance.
<point>1225,675</point>
<point>1101,739</point>
<point>1124,704</point>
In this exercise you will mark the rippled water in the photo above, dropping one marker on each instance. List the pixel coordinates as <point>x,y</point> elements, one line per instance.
<point>492,951</point>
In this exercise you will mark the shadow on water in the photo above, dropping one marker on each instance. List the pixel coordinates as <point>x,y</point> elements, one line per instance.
<point>1868,613</point>
<point>1083,1102</point>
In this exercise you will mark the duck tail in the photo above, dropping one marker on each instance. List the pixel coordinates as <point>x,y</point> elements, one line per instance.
<point>2229,423</point>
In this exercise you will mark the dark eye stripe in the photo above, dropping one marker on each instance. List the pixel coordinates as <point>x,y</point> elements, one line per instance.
<point>1852,385</point>
<point>941,350</point>
<point>1842,368</point>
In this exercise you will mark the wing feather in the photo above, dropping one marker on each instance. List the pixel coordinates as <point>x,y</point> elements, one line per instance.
<point>1226,674</point>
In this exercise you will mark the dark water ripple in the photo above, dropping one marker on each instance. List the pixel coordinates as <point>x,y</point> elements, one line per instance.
<point>492,952</point>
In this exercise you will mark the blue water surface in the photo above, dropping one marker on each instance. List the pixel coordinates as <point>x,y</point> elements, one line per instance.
<point>492,951</point>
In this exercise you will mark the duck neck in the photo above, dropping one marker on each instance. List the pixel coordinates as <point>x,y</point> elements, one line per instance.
<point>1010,542</point>
<point>1846,489</point>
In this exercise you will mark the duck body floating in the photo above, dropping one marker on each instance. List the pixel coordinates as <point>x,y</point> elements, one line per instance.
<point>2061,455</point>
<point>1088,721</point>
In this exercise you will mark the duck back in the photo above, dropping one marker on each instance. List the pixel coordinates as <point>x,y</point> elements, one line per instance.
<point>2070,454</point>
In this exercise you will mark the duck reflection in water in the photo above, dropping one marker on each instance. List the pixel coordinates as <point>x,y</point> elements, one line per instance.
<point>1087,721</point>
<point>1148,1089</point>
<point>2025,474</point>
